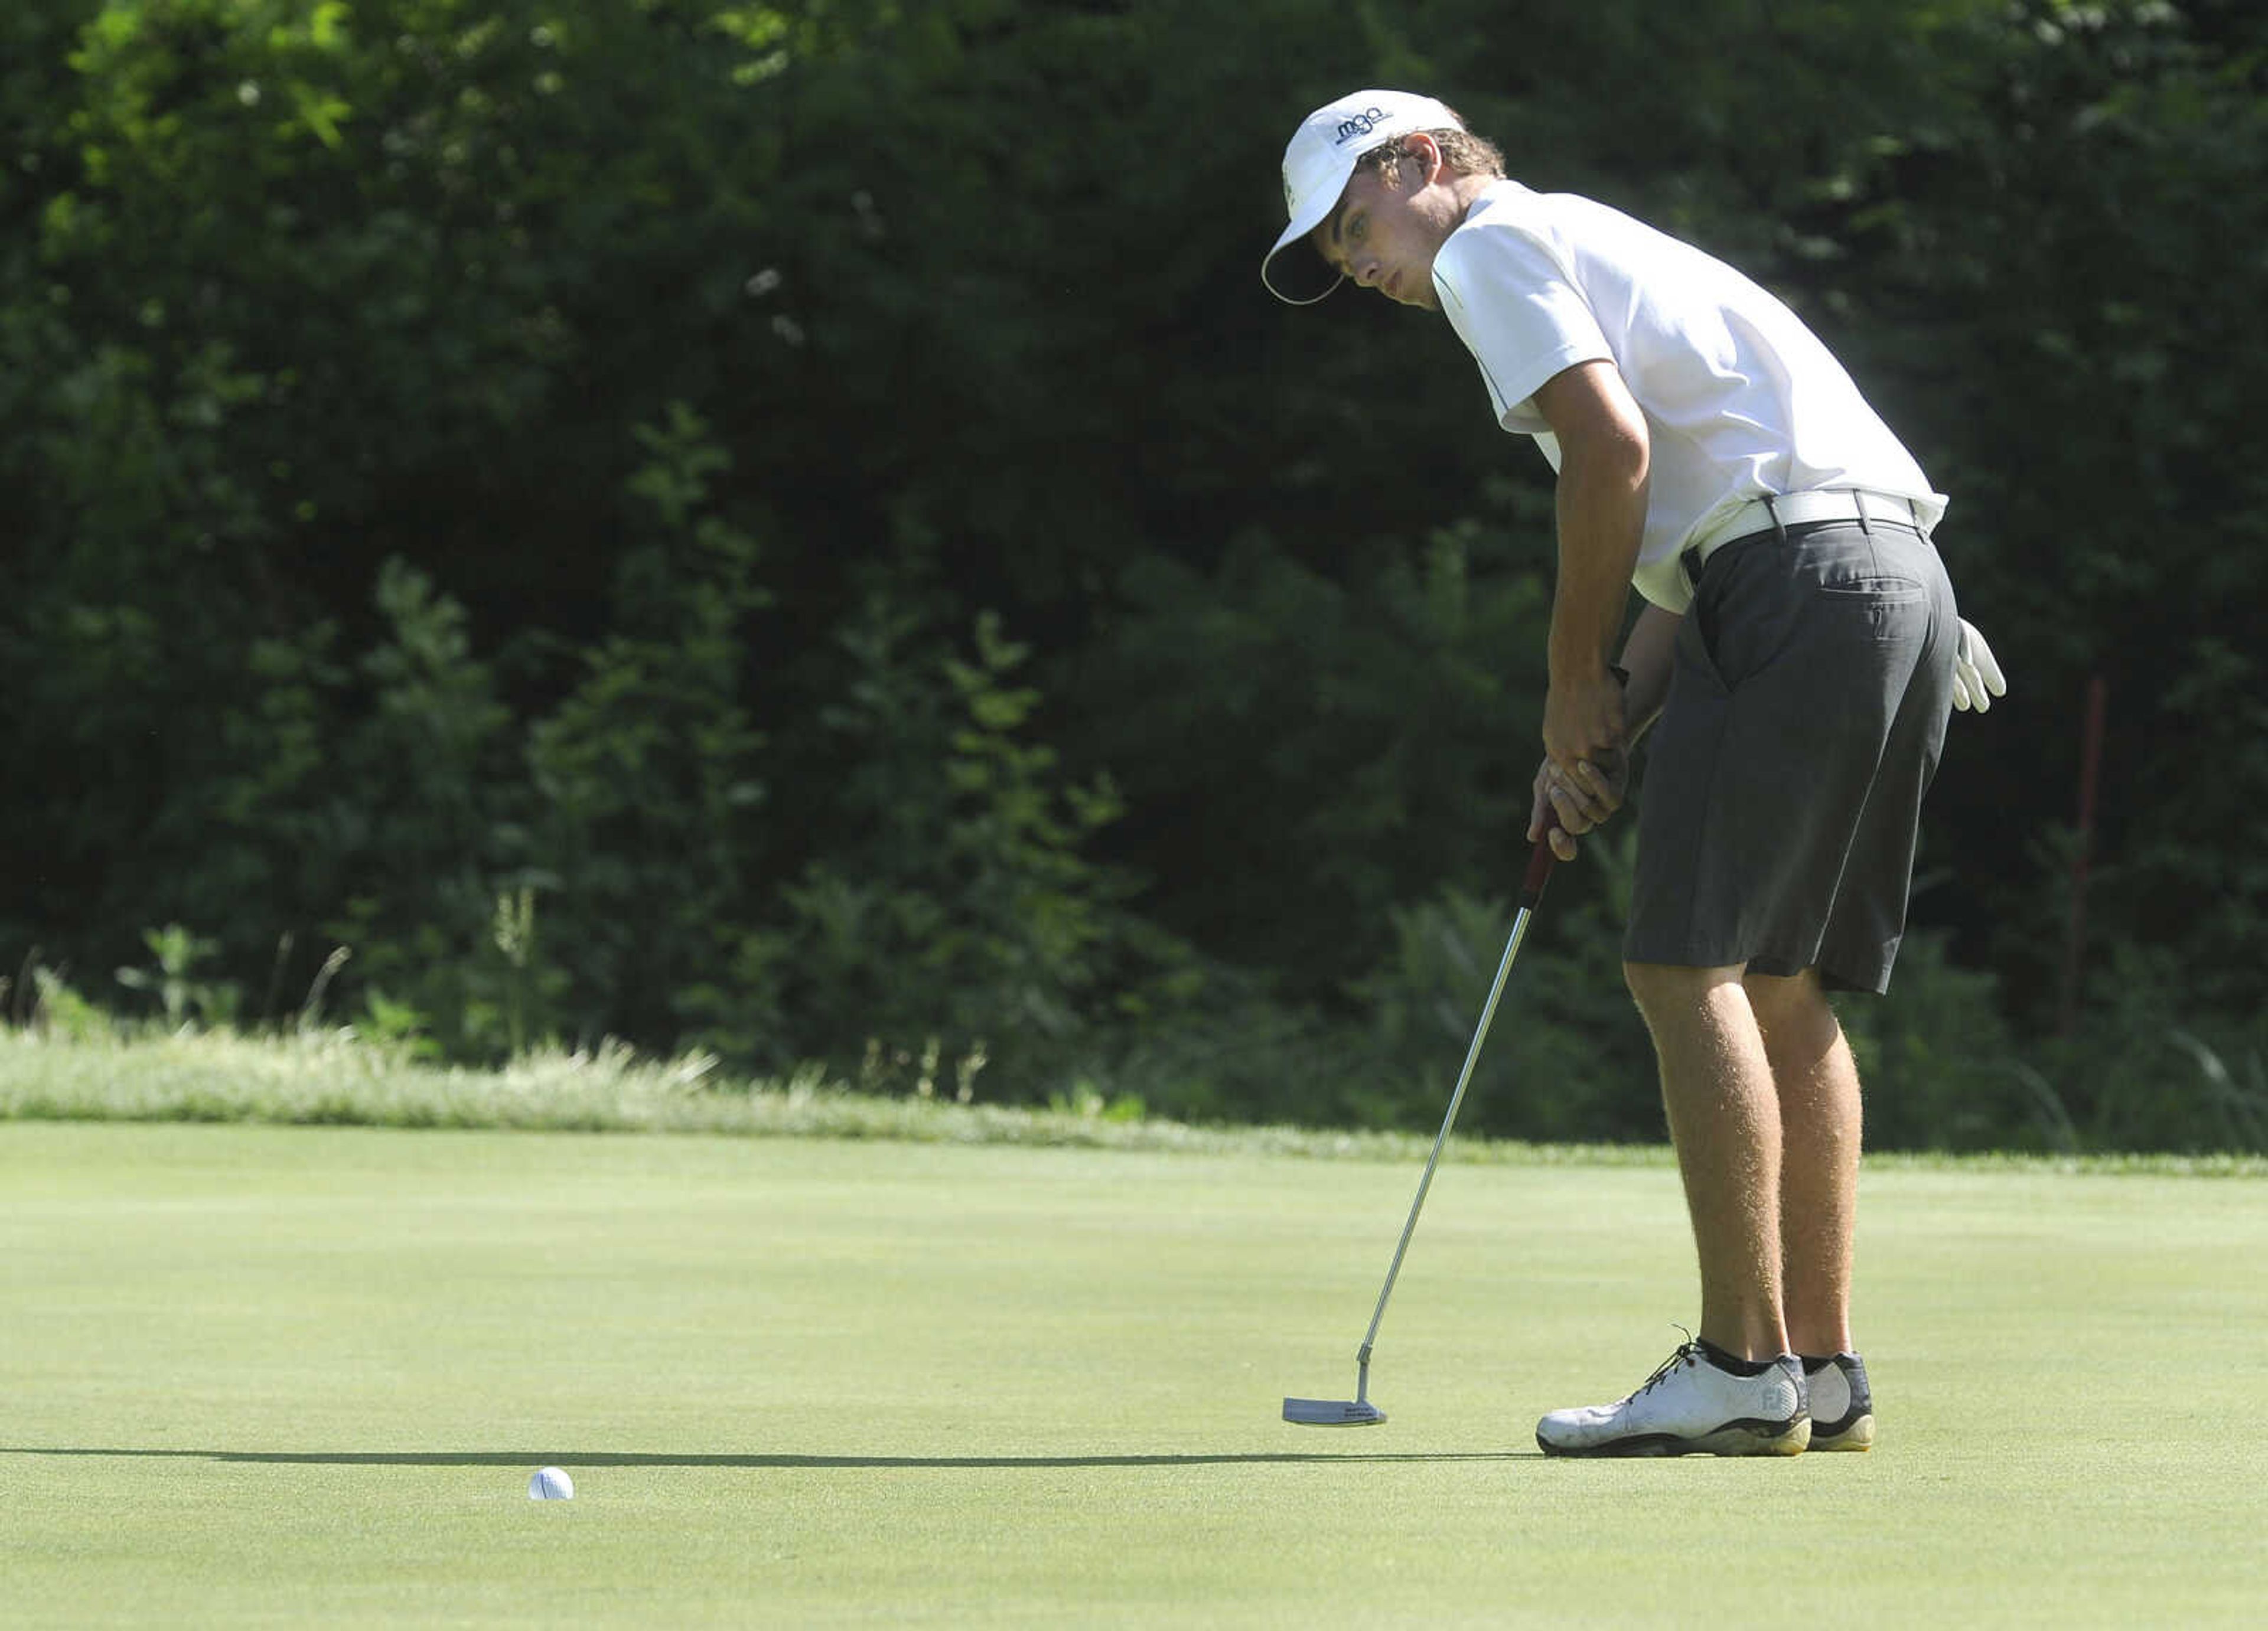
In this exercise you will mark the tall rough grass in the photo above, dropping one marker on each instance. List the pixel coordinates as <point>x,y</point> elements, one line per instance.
<point>335,1078</point>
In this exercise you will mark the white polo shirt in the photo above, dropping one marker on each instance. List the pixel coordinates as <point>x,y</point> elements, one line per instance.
<point>1741,400</point>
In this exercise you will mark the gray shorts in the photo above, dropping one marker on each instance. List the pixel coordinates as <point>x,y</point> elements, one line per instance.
<point>1808,705</point>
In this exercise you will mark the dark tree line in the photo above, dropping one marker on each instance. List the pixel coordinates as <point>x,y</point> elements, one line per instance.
<point>794,529</point>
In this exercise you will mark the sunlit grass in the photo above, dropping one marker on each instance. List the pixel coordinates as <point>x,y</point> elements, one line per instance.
<point>273,1375</point>
<point>335,1077</point>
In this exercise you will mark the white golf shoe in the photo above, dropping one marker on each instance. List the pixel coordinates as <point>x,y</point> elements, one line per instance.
<point>1842,1405</point>
<point>1691,1407</point>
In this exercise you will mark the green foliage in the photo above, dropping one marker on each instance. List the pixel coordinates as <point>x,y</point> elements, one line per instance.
<point>59,1011</point>
<point>648,775</point>
<point>2143,1069</point>
<point>2239,1095</point>
<point>793,525</point>
<point>423,826</point>
<point>181,997</point>
<point>1567,1057</point>
<point>1940,1066</point>
<point>952,900</point>
<point>1335,744</point>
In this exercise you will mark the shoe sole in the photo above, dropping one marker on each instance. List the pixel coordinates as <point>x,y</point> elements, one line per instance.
<point>1734,1438</point>
<point>1857,1435</point>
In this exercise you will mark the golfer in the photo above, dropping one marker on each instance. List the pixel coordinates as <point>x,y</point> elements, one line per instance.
<point>1792,669</point>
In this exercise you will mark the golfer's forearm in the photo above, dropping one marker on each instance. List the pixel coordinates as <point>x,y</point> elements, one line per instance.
<point>1603,492</point>
<point>1646,660</point>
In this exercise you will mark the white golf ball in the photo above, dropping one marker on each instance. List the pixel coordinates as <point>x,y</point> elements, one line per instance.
<point>551,1484</point>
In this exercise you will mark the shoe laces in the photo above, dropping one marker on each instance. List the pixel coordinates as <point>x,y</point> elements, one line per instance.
<point>1689,1353</point>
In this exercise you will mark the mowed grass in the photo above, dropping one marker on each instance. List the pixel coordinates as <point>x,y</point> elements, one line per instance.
<point>283,1376</point>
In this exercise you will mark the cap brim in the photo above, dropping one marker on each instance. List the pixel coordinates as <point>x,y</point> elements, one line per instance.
<point>1302,279</point>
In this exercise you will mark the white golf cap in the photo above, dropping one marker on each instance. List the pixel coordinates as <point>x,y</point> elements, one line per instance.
<point>1318,164</point>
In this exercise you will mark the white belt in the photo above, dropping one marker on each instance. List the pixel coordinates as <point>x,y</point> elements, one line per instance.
<point>1762,515</point>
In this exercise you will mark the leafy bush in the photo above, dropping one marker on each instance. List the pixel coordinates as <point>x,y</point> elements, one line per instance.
<point>2146,1068</point>
<point>1567,1057</point>
<point>182,998</point>
<point>1937,1062</point>
<point>951,904</point>
<point>649,776</point>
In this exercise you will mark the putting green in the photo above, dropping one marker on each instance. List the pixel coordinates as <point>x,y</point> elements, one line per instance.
<point>263,1376</point>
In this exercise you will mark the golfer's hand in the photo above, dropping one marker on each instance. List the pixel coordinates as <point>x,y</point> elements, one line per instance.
<point>1583,719</point>
<point>1566,806</point>
<point>1976,678</point>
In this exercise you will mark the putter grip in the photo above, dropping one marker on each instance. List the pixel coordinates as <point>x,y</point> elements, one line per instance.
<point>1539,873</point>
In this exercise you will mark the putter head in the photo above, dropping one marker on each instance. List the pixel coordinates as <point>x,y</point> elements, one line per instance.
<point>1332,1412</point>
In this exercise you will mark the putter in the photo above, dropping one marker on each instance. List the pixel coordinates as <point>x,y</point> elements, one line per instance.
<point>1358,1411</point>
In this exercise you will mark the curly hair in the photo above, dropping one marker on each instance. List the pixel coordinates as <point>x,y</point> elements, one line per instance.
<point>1461,150</point>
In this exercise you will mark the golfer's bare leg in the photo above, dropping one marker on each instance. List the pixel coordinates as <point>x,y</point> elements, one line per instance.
<point>1725,1119</point>
<point>1819,1119</point>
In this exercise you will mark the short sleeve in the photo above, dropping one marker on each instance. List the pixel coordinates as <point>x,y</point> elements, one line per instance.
<point>1514,303</point>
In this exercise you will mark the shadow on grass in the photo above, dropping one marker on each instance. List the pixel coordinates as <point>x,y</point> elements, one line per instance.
<point>610,1458</point>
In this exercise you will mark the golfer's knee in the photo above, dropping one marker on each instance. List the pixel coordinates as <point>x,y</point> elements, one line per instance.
<point>1665,988</point>
<point>1788,1001</point>
<point>1798,1024</point>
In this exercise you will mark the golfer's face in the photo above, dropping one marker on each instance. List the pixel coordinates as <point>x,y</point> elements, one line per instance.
<point>1380,237</point>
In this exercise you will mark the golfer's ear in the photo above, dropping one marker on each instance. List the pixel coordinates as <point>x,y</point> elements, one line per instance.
<point>1427,151</point>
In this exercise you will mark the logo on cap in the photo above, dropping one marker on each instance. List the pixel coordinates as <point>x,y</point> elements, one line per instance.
<point>1359,124</point>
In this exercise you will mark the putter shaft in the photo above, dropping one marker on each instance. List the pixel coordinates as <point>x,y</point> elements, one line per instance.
<point>1531,892</point>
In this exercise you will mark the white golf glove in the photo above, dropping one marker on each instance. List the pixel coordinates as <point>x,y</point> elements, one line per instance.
<point>1976,678</point>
